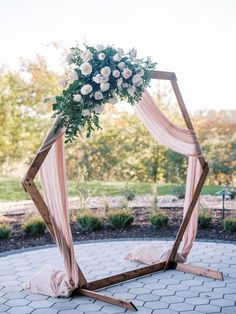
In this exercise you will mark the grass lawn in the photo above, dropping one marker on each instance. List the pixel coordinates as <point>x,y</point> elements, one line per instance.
<point>12,190</point>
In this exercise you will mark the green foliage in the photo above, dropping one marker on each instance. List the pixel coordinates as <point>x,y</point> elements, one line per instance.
<point>88,221</point>
<point>179,191</point>
<point>79,108</point>
<point>204,220</point>
<point>230,224</point>
<point>129,193</point>
<point>120,219</point>
<point>34,227</point>
<point>5,231</point>
<point>159,219</point>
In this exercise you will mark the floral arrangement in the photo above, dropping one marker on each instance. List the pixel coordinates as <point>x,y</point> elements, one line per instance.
<point>98,75</point>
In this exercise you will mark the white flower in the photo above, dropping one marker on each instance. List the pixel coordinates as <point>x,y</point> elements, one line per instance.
<point>100,47</point>
<point>86,55</point>
<point>101,56</point>
<point>104,79</point>
<point>119,82</point>
<point>120,51</point>
<point>116,73</point>
<point>98,109</point>
<point>126,73</point>
<point>140,82</point>
<point>69,57</point>
<point>98,95</point>
<point>85,112</point>
<point>73,76</point>
<point>112,101</point>
<point>125,85</point>
<point>104,86</point>
<point>80,127</point>
<point>97,78</point>
<point>136,78</point>
<point>131,90</point>
<point>106,71</point>
<point>116,57</point>
<point>121,65</point>
<point>86,68</point>
<point>133,53</point>
<point>86,89</point>
<point>77,98</point>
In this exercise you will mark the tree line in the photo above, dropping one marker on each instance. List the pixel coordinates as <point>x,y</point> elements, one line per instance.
<point>123,150</point>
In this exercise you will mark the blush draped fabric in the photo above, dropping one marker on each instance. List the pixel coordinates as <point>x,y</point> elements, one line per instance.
<point>50,280</point>
<point>181,141</point>
<point>56,282</point>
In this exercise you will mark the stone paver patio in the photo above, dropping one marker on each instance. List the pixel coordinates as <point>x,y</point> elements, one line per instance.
<point>171,292</point>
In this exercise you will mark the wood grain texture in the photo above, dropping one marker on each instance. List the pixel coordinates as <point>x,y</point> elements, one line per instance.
<point>108,299</point>
<point>146,270</point>
<point>200,271</point>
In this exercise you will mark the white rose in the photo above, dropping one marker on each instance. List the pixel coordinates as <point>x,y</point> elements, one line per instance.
<point>104,86</point>
<point>98,109</point>
<point>86,68</point>
<point>125,85</point>
<point>77,98</point>
<point>85,112</point>
<point>97,78</point>
<point>106,71</point>
<point>121,65</point>
<point>86,55</point>
<point>140,82</point>
<point>80,127</point>
<point>133,53</point>
<point>116,73</point>
<point>104,79</point>
<point>113,101</point>
<point>116,57</point>
<point>98,95</point>
<point>131,90</point>
<point>100,47</point>
<point>73,76</point>
<point>119,82</point>
<point>136,78</point>
<point>86,89</point>
<point>101,56</point>
<point>126,73</point>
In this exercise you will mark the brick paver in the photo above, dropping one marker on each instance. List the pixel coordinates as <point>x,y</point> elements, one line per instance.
<point>168,292</point>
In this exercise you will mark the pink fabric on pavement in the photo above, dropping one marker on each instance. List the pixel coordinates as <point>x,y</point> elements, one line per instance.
<point>182,141</point>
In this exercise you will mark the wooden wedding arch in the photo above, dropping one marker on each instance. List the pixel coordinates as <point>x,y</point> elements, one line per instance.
<point>88,288</point>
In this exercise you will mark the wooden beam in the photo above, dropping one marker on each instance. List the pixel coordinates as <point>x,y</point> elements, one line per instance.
<point>200,271</point>
<point>108,281</point>
<point>187,217</point>
<point>105,298</point>
<point>163,75</point>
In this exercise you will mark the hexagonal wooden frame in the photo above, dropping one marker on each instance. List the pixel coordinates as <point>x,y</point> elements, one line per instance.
<point>87,288</point>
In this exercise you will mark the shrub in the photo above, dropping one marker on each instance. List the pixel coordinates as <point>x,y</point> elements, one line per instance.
<point>129,193</point>
<point>88,221</point>
<point>230,224</point>
<point>34,227</point>
<point>179,191</point>
<point>5,231</point>
<point>120,219</point>
<point>204,220</point>
<point>159,220</point>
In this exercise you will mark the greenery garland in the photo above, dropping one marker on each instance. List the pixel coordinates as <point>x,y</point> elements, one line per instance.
<point>98,75</point>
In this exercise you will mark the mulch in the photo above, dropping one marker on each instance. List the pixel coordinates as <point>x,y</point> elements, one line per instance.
<point>140,229</point>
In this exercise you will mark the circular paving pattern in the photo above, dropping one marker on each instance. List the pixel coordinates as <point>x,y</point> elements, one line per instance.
<point>168,292</point>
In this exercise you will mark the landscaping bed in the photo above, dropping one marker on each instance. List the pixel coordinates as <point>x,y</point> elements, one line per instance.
<point>141,228</point>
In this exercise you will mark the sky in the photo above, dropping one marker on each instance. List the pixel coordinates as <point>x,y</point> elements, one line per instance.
<point>196,39</point>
